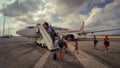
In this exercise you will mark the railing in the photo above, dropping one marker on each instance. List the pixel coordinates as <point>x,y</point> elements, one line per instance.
<point>46,37</point>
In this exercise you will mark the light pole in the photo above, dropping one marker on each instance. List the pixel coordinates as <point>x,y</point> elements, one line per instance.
<point>4,19</point>
<point>8,29</point>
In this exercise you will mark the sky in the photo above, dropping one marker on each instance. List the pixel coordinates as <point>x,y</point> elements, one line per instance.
<point>97,14</point>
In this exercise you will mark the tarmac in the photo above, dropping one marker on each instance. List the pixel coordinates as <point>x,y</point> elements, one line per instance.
<point>21,52</point>
<point>86,60</point>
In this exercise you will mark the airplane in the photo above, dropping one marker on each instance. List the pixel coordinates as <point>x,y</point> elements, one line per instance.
<point>31,32</point>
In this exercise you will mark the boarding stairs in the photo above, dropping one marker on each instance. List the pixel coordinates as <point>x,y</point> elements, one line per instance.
<point>46,39</point>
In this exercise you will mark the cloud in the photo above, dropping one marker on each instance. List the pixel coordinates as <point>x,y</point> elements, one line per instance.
<point>28,18</point>
<point>94,16</point>
<point>72,21</point>
<point>104,18</point>
<point>13,27</point>
<point>97,1</point>
<point>65,7</point>
<point>67,11</point>
<point>24,10</point>
<point>30,11</point>
<point>19,8</point>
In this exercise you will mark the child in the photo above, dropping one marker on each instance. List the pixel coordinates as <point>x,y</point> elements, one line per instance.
<point>76,47</point>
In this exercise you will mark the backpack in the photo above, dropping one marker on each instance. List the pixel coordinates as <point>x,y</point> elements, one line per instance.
<point>61,43</point>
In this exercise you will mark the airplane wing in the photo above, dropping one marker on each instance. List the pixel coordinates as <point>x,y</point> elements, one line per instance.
<point>86,32</point>
<point>82,31</point>
<point>101,30</point>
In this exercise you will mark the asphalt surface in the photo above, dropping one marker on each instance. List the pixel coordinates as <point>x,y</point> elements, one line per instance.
<point>110,59</point>
<point>21,52</point>
<point>18,52</point>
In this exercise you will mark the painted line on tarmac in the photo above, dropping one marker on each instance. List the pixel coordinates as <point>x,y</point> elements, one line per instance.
<point>42,60</point>
<point>86,60</point>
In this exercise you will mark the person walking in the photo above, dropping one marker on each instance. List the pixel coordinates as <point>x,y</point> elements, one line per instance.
<point>50,29</point>
<point>76,47</point>
<point>106,43</point>
<point>46,26</point>
<point>53,35</point>
<point>61,45</point>
<point>95,42</point>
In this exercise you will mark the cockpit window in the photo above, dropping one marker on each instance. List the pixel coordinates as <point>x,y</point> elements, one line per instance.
<point>31,27</point>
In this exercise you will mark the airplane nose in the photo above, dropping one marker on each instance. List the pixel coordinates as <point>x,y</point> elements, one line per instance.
<point>17,32</point>
<point>20,32</point>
